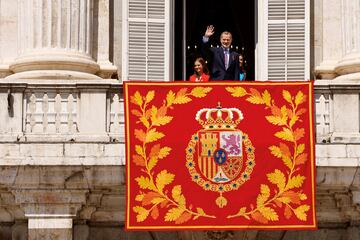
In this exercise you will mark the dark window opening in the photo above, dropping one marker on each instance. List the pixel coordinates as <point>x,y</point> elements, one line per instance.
<point>237,17</point>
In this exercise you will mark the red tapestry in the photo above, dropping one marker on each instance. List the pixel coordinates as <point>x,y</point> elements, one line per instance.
<point>219,155</point>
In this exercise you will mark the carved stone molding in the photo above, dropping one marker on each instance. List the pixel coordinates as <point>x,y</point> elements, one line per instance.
<point>219,235</point>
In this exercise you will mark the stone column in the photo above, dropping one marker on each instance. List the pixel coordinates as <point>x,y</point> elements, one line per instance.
<point>55,40</point>
<point>350,62</point>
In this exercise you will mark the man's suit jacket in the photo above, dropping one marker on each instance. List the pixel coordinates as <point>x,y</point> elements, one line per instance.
<point>218,63</point>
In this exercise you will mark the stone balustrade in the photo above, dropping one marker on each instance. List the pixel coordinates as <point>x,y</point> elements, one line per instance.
<point>51,112</point>
<point>61,111</point>
<point>337,111</point>
<point>92,111</point>
<point>323,102</point>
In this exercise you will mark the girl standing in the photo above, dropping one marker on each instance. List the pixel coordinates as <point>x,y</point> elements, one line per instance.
<point>201,72</point>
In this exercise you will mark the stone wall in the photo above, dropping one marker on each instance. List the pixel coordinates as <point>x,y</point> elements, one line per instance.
<point>62,123</point>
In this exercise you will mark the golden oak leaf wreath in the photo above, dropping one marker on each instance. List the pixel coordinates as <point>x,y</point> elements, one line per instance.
<point>290,151</point>
<point>155,185</point>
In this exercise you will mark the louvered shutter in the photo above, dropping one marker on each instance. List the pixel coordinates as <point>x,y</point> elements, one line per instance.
<point>287,40</point>
<point>146,40</point>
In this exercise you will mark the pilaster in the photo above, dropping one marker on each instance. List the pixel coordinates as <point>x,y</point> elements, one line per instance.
<point>50,213</point>
<point>327,37</point>
<point>54,228</point>
<point>106,67</point>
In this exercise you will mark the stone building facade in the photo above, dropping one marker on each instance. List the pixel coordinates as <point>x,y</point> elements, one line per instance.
<point>62,63</point>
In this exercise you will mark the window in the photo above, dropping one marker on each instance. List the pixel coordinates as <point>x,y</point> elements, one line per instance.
<point>272,34</point>
<point>193,16</point>
<point>284,39</point>
<point>146,40</point>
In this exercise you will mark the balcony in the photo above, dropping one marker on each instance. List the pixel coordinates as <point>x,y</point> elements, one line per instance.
<point>62,152</point>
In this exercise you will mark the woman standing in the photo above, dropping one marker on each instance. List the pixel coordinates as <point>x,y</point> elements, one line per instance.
<point>242,70</point>
<point>201,72</point>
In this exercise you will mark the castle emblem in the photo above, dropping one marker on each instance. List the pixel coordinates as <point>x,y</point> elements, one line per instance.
<point>220,157</point>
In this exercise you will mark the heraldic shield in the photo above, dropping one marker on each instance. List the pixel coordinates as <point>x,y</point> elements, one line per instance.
<point>220,157</point>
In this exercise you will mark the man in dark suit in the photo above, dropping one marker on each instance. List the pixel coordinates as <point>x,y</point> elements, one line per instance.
<point>224,60</point>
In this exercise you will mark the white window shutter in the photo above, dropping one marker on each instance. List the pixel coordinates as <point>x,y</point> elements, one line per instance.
<point>146,40</point>
<point>287,40</point>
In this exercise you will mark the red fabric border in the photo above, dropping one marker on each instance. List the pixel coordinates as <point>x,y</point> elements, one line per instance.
<point>176,182</point>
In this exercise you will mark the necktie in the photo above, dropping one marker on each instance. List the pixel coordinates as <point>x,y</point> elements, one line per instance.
<point>226,58</point>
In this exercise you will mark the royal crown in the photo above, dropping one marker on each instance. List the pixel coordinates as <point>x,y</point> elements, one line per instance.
<point>219,118</point>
